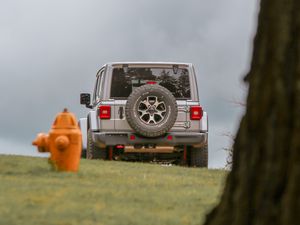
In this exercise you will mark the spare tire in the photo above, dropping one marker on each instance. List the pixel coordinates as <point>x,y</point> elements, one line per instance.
<point>151,110</point>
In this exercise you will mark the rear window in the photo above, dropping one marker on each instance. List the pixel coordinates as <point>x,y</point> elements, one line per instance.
<point>176,81</point>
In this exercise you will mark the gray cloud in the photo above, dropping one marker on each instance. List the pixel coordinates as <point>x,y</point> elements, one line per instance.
<point>50,52</point>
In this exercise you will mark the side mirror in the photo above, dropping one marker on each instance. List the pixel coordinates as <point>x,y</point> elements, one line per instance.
<point>85,99</point>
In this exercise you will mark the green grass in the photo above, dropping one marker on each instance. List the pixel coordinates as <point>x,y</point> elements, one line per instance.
<point>104,192</point>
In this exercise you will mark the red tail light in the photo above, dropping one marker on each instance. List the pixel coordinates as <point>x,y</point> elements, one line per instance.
<point>196,112</point>
<point>132,137</point>
<point>151,82</point>
<point>170,137</point>
<point>104,112</point>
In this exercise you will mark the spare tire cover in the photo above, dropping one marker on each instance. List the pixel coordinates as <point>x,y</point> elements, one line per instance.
<point>151,110</point>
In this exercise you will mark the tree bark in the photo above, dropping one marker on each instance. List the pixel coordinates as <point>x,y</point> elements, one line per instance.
<point>264,184</point>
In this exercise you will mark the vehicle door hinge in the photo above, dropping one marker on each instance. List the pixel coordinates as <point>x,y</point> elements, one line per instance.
<point>187,124</point>
<point>185,109</point>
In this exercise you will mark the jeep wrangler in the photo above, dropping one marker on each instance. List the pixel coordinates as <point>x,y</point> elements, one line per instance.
<point>145,111</point>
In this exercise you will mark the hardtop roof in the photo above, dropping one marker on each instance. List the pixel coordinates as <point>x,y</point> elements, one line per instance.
<point>149,63</point>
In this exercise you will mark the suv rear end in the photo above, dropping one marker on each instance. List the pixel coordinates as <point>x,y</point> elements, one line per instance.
<point>147,111</point>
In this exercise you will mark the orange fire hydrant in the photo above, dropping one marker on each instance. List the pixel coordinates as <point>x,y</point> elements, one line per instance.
<point>63,142</point>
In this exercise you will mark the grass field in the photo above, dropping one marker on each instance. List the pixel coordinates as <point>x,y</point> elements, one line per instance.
<point>105,192</point>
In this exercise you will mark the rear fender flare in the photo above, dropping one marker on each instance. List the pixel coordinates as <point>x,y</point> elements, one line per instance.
<point>82,123</point>
<point>92,121</point>
<point>204,122</point>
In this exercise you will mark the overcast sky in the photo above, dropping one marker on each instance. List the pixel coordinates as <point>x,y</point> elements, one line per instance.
<point>51,50</point>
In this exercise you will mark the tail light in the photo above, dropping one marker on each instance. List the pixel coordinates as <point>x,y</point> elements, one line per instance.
<point>104,112</point>
<point>151,82</point>
<point>132,137</point>
<point>196,112</point>
<point>170,137</point>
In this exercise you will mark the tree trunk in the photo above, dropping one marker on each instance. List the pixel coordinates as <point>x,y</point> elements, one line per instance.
<point>264,184</point>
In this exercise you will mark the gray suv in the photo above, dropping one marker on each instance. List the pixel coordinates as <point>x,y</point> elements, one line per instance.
<point>145,111</point>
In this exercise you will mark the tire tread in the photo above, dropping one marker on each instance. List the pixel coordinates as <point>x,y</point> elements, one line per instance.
<point>92,151</point>
<point>199,157</point>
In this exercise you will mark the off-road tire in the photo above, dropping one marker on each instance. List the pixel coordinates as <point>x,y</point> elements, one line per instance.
<point>134,119</point>
<point>199,157</point>
<point>92,151</point>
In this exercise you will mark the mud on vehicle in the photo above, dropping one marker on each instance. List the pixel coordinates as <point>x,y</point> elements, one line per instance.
<point>145,111</point>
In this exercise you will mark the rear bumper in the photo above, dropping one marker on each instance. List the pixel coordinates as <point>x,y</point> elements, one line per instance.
<point>170,139</point>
